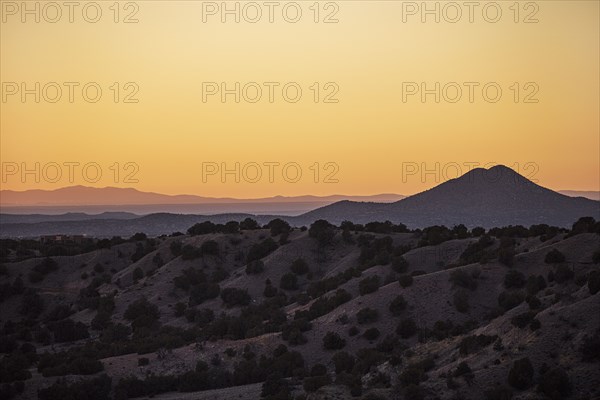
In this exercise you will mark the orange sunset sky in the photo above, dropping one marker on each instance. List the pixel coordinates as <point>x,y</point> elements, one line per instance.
<point>365,57</point>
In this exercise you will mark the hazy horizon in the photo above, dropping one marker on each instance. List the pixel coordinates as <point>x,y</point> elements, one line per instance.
<point>365,59</point>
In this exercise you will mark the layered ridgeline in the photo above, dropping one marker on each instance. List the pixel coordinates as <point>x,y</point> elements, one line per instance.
<point>482,197</point>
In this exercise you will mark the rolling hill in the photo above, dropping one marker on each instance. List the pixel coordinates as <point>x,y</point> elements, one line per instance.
<point>362,315</point>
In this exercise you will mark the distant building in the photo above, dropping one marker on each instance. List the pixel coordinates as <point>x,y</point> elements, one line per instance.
<point>51,239</point>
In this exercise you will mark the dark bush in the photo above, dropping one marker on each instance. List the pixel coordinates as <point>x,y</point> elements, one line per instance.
<point>463,279</point>
<point>313,383</point>
<point>275,388</point>
<point>322,231</point>
<point>371,334</point>
<point>405,280</point>
<point>115,332</point>
<point>520,375</point>
<point>278,227</point>
<point>67,330</point>
<point>91,389</point>
<point>235,297</point>
<point>554,256</point>
<point>590,349</point>
<point>175,248</point>
<point>289,281</point>
<point>563,273</point>
<point>189,252</point>
<point>522,320</point>
<point>343,361</point>
<point>555,384</point>
<point>142,313</point>
<point>202,292</point>
<point>31,304</point>
<point>534,302</point>
<point>535,284</point>
<point>509,300</point>
<point>210,247</point>
<point>367,316</point>
<point>270,290</point>
<point>138,274</point>
<point>461,301</point>
<point>255,267</point>
<point>398,305</point>
<point>399,264</point>
<point>514,279</point>
<point>472,344</point>
<point>478,251</point>
<point>499,393</point>
<point>406,328</point>
<point>333,341</point>
<point>594,282</point>
<point>300,267</point>
<point>260,250</point>
<point>369,285</point>
<point>249,224</point>
<point>202,228</point>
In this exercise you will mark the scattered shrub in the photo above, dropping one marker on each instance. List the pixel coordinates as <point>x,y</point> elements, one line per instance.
<point>463,279</point>
<point>563,273</point>
<point>594,282</point>
<point>514,279</point>
<point>142,313</point>
<point>461,301</point>
<point>472,344</point>
<point>299,267</point>
<point>91,389</point>
<point>138,274</point>
<point>369,285</point>
<point>509,300</point>
<point>590,349</point>
<point>405,280</point>
<point>67,330</point>
<point>554,256</point>
<point>520,375</point>
<point>322,231</point>
<point>367,316</point>
<point>406,328</point>
<point>235,297</point>
<point>261,250</point>
<point>398,305</point>
<point>399,264</point>
<point>333,341</point>
<point>289,281</point>
<point>555,384</point>
<point>343,361</point>
<point>255,267</point>
<point>371,334</point>
<point>499,393</point>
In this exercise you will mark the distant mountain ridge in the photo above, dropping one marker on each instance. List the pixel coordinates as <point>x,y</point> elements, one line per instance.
<point>85,195</point>
<point>588,194</point>
<point>482,197</point>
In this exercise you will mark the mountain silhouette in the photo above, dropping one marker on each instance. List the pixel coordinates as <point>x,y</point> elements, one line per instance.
<point>86,196</point>
<point>482,197</point>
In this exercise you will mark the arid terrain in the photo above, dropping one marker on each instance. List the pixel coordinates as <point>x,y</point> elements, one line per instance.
<point>242,311</point>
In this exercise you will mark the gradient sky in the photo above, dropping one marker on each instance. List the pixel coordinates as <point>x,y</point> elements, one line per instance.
<point>368,134</point>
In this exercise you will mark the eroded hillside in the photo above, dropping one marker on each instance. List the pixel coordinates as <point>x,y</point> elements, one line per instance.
<point>243,311</point>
